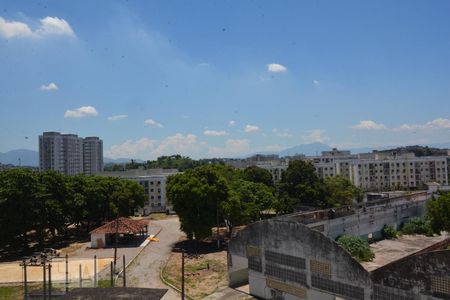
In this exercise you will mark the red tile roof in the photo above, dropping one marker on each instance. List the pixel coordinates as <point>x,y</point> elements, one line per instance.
<point>125,225</point>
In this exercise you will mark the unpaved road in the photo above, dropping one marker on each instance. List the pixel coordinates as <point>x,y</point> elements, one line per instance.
<point>144,271</point>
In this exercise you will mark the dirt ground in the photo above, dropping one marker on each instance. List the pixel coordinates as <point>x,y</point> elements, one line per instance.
<point>79,254</point>
<point>387,251</point>
<point>203,274</point>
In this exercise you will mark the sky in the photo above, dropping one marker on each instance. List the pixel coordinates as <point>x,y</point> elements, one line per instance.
<point>225,78</point>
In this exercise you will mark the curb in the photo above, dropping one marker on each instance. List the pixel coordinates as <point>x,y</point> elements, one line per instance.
<point>169,284</point>
<point>134,258</point>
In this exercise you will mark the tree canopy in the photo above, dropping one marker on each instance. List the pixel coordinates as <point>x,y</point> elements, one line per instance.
<point>258,175</point>
<point>196,196</point>
<point>48,202</point>
<point>438,213</point>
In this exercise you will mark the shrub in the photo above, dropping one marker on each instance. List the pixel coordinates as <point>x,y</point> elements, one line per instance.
<point>357,247</point>
<point>417,226</point>
<point>389,232</point>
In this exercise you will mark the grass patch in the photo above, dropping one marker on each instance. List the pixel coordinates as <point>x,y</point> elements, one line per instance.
<point>158,216</point>
<point>16,292</point>
<point>11,292</point>
<point>104,283</point>
<point>199,280</point>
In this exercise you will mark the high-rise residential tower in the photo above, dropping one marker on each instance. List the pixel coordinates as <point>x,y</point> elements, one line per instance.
<point>92,155</point>
<point>70,154</point>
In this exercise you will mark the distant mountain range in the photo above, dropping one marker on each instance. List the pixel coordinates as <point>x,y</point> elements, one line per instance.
<point>22,157</point>
<point>25,157</point>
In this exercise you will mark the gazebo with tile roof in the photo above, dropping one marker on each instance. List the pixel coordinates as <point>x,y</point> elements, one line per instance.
<point>128,229</point>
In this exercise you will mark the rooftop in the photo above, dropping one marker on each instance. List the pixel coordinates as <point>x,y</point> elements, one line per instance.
<point>122,225</point>
<point>387,251</point>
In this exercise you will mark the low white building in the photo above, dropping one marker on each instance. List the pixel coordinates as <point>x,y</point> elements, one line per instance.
<point>154,183</point>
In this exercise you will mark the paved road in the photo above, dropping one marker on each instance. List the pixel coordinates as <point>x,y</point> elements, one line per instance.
<point>144,271</point>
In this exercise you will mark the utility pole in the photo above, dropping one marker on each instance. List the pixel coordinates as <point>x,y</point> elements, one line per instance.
<point>50,281</point>
<point>182,274</point>
<point>116,242</point>
<point>67,273</point>
<point>217,217</point>
<point>124,273</point>
<point>25,281</point>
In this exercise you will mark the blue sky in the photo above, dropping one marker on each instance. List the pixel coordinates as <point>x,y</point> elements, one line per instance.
<point>225,78</point>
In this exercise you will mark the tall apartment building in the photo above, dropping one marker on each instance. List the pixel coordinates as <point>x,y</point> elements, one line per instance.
<point>66,153</point>
<point>92,155</point>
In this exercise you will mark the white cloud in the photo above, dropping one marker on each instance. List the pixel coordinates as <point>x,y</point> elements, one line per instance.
<point>49,87</point>
<point>439,123</point>
<point>151,122</point>
<point>232,147</point>
<point>117,118</point>
<point>84,111</point>
<point>282,132</point>
<point>146,148</point>
<point>54,26</point>
<point>132,149</point>
<point>251,128</point>
<point>316,82</point>
<point>9,29</point>
<point>369,125</point>
<point>178,144</point>
<point>276,68</point>
<point>273,148</point>
<point>215,132</point>
<point>48,26</point>
<point>315,136</point>
<point>231,123</point>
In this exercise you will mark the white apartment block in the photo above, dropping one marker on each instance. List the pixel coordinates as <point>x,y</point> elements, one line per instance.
<point>383,171</point>
<point>69,154</point>
<point>276,168</point>
<point>370,171</point>
<point>154,182</point>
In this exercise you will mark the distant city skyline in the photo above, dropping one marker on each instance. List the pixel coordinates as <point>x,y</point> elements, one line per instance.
<point>224,79</point>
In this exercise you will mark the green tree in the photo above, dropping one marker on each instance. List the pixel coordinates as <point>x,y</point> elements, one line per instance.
<point>389,232</point>
<point>246,201</point>
<point>357,247</point>
<point>52,201</point>
<point>339,191</point>
<point>417,226</point>
<point>19,189</point>
<point>196,196</point>
<point>128,196</point>
<point>301,183</point>
<point>258,175</point>
<point>438,212</point>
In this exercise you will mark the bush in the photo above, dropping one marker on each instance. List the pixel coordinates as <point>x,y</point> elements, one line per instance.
<point>358,248</point>
<point>389,232</point>
<point>417,226</point>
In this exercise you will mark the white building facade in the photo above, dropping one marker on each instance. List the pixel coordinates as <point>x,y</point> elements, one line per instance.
<point>385,171</point>
<point>154,182</point>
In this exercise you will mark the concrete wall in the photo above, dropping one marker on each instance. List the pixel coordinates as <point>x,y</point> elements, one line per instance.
<point>291,259</point>
<point>423,276</point>
<point>95,237</point>
<point>282,259</point>
<point>372,220</point>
